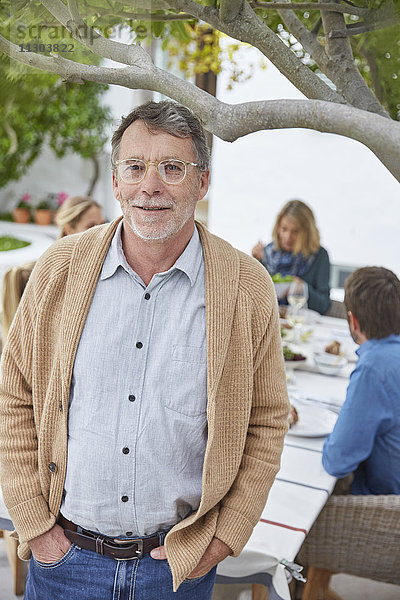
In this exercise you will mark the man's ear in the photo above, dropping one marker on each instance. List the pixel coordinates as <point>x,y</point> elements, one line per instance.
<point>353,322</point>
<point>115,187</point>
<point>203,184</point>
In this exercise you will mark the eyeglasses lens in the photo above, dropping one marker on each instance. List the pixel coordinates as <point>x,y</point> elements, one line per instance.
<point>133,170</point>
<point>172,171</point>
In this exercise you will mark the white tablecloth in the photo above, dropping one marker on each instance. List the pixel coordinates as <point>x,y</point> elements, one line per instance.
<point>302,486</point>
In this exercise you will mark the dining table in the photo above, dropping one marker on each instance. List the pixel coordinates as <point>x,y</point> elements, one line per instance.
<point>302,486</point>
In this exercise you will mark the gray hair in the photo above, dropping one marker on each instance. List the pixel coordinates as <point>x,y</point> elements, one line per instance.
<point>169,117</point>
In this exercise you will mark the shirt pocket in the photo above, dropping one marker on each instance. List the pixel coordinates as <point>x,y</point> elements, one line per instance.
<point>187,381</point>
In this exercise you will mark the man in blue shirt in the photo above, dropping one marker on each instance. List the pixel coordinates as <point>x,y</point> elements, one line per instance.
<point>366,437</point>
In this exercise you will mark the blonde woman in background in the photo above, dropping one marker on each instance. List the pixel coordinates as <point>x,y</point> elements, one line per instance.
<point>296,250</point>
<point>76,214</point>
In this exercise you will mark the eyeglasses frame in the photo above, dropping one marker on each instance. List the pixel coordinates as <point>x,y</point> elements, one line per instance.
<point>156,164</point>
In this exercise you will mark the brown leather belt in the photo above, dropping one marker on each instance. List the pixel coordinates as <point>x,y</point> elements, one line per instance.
<point>108,546</point>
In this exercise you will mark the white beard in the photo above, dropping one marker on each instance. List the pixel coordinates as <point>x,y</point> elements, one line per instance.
<point>151,228</point>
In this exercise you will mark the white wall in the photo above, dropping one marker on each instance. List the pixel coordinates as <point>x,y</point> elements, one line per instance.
<point>355,199</point>
<point>70,174</point>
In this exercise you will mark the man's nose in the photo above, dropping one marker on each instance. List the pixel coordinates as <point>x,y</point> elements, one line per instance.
<point>151,183</point>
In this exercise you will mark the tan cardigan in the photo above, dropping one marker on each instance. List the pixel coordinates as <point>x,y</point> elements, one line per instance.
<point>247,399</point>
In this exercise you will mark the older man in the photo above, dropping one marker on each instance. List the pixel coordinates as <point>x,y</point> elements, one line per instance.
<point>143,394</point>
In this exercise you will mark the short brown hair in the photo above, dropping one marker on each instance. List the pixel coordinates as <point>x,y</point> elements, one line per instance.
<point>372,294</point>
<point>169,117</point>
<point>308,241</point>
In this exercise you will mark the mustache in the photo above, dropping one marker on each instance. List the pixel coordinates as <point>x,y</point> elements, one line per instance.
<point>152,202</point>
<point>152,205</point>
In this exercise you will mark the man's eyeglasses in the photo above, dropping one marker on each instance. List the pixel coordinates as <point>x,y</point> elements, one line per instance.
<point>170,170</point>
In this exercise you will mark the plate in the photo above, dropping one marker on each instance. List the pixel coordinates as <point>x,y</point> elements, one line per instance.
<point>329,364</point>
<point>295,364</point>
<point>314,421</point>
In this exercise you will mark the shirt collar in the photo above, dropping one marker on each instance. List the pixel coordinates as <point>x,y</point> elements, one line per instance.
<point>377,342</point>
<point>188,262</point>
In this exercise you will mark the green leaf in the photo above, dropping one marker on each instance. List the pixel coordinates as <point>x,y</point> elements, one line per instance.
<point>178,29</point>
<point>157,28</point>
<point>18,5</point>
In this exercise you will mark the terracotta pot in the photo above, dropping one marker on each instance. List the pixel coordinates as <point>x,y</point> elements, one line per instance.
<point>21,215</point>
<point>43,216</point>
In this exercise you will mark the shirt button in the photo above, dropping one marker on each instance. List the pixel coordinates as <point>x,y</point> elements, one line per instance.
<point>147,296</point>
<point>52,467</point>
<point>139,345</point>
<point>131,398</point>
<point>129,533</point>
<point>124,498</point>
<point>125,450</point>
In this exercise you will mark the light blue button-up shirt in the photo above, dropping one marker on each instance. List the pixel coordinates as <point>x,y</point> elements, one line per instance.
<point>366,437</point>
<point>137,426</point>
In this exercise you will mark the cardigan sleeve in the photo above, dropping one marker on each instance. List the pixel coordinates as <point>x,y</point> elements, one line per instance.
<point>242,506</point>
<point>19,442</point>
<point>317,278</point>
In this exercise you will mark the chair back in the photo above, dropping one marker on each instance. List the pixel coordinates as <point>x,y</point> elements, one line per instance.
<point>357,535</point>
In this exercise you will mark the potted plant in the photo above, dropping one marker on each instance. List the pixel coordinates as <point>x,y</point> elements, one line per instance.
<point>22,212</point>
<point>43,213</point>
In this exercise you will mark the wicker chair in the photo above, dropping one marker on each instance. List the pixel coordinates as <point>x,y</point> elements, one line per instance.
<point>337,310</point>
<point>357,535</point>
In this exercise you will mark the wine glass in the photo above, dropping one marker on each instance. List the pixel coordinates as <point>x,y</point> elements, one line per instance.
<point>297,293</point>
<point>297,298</point>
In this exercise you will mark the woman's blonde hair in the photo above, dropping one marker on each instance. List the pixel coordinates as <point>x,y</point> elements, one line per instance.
<point>71,211</point>
<point>308,240</point>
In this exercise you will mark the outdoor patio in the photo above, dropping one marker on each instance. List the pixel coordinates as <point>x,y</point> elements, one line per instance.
<point>349,588</point>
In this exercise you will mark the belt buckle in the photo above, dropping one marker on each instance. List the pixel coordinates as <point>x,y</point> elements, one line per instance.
<point>138,542</point>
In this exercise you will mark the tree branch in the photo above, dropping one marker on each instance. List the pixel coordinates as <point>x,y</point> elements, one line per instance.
<point>357,28</point>
<point>188,6</point>
<point>307,39</point>
<point>73,22</point>
<point>317,27</point>
<point>229,9</point>
<point>230,122</point>
<point>374,71</point>
<point>347,10</point>
<point>95,176</point>
<point>251,29</point>
<point>146,5</point>
<point>10,131</point>
<point>341,68</point>
<point>150,16</point>
<point>336,50</point>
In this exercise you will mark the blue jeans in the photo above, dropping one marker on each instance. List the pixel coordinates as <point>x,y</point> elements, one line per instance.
<point>85,575</point>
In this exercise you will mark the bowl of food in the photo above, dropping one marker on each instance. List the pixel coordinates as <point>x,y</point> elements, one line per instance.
<point>281,284</point>
<point>329,364</point>
<point>293,359</point>
<point>333,348</point>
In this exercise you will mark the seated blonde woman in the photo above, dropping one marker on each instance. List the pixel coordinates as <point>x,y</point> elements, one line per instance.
<point>76,214</point>
<point>296,250</point>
